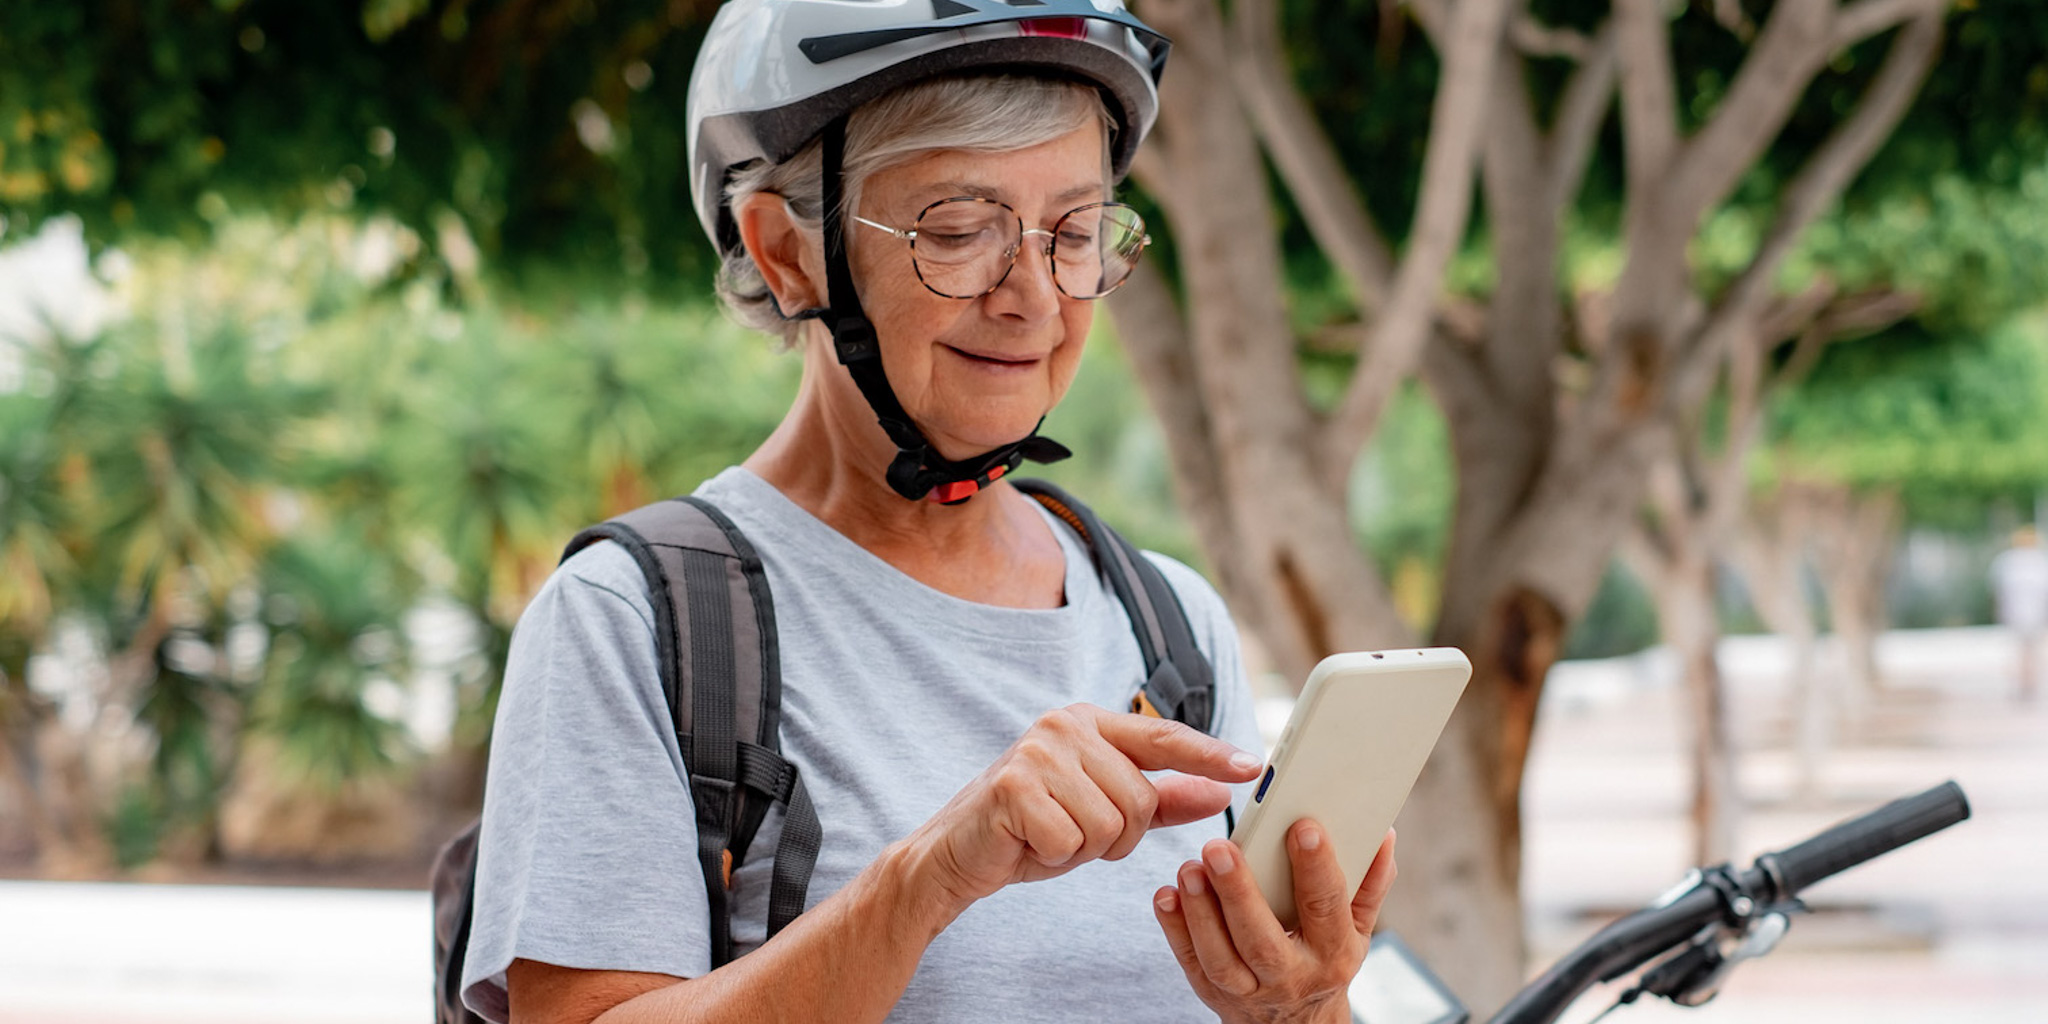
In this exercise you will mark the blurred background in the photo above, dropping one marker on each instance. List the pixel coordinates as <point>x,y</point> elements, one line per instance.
<point>1686,363</point>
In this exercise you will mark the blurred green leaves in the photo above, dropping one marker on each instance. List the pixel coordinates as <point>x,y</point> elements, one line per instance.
<point>1956,423</point>
<point>164,118</point>
<point>292,441</point>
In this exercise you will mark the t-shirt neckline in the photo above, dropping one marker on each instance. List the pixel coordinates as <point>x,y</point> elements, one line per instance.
<point>744,495</point>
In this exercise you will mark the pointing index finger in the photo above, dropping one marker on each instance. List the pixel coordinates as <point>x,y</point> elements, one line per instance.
<point>1155,744</point>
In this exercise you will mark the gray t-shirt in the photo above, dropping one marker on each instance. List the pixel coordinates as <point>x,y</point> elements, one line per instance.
<point>894,697</point>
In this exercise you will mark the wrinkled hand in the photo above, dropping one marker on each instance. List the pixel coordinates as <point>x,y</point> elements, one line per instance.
<point>1236,954</point>
<point>1072,789</point>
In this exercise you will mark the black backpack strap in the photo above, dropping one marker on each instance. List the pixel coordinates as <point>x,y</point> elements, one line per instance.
<point>716,650</point>
<point>1179,682</point>
<point>453,885</point>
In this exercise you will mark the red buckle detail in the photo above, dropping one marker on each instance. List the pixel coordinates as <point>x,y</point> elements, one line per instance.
<point>997,473</point>
<point>961,490</point>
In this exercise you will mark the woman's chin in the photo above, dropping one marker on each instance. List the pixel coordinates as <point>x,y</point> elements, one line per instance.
<point>964,441</point>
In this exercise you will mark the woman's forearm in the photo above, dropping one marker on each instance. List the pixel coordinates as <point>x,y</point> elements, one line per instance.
<point>847,959</point>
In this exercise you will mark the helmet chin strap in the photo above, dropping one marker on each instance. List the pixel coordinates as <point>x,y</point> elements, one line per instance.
<point>918,471</point>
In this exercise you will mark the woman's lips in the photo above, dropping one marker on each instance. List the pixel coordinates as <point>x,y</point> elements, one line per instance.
<point>995,359</point>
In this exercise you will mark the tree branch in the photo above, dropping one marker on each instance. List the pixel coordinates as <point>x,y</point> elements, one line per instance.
<point>1536,39</point>
<point>1301,151</point>
<point>1790,316</point>
<point>1435,18</point>
<point>1858,21</point>
<point>1645,550</point>
<point>1847,317</point>
<point>1730,14</point>
<point>1455,123</point>
<point>1649,99</point>
<point>1526,328</point>
<point>1805,354</point>
<point>1728,481</point>
<point>1791,48</point>
<point>1864,312</point>
<point>1576,128</point>
<point>1821,181</point>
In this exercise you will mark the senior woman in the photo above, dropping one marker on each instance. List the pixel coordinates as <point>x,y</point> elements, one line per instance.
<point>995,848</point>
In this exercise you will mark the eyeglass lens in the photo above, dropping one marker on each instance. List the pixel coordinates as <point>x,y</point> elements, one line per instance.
<point>965,247</point>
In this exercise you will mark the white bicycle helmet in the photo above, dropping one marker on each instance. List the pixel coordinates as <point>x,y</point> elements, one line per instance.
<point>773,73</point>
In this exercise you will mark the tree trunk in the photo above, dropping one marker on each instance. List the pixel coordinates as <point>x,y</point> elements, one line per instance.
<point>1770,550</point>
<point>1691,624</point>
<point>1854,552</point>
<point>22,717</point>
<point>1461,830</point>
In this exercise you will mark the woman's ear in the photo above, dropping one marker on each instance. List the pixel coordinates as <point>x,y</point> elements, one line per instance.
<point>777,244</point>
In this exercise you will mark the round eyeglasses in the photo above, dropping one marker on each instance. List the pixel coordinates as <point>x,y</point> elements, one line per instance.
<point>963,248</point>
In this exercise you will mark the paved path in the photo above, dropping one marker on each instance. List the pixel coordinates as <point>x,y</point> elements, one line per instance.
<point>76,953</point>
<point>1953,930</point>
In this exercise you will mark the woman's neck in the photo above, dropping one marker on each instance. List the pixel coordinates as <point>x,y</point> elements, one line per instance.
<point>831,459</point>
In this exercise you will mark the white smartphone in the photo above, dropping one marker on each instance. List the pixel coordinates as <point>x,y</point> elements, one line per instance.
<point>1356,742</point>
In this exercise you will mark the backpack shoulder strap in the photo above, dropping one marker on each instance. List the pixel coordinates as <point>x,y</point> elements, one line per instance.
<point>717,654</point>
<point>1179,682</point>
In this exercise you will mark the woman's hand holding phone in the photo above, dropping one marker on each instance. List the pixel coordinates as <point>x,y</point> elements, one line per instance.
<point>1242,961</point>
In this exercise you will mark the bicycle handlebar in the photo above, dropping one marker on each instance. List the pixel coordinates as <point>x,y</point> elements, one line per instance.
<point>1777,877</point>
<point>1860,839</point>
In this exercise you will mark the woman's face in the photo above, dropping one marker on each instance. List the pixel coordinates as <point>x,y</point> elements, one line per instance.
<point>978,373</point>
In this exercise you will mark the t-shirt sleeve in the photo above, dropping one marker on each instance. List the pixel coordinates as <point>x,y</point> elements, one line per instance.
<point>587,857</point>
<point>1236,712</point>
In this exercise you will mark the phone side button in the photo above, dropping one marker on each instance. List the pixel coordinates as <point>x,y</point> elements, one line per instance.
<point>1263,783</point>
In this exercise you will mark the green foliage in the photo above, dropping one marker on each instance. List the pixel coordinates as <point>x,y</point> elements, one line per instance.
<point>135,826</point>
<point>1955,422</point>
<point>187,708</point>
<point>296,439</point>
<point>32,513</point>
<point>1976,254</point>
<point>333,605</point>
<point>1403,489</point>
<point>548,130</point>
<point>1621,620</point>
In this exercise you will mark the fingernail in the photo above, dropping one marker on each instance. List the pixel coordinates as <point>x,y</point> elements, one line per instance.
<point>1245,760</point>
<point>1218,859</point>
<point>1309,836</point>
<point>1168,900</point>
<point>1191,880</point>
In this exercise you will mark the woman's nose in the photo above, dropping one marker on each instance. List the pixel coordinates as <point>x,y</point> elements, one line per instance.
<point>1029,288</point>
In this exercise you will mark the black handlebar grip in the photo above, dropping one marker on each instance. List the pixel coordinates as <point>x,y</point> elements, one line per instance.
<point>1859,839</point>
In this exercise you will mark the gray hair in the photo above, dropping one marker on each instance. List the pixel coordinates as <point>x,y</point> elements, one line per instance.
<point>981,113</point>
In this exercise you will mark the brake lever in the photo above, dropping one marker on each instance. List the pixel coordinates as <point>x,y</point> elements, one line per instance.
<point>1695,976</point>
<point>1691,976</point>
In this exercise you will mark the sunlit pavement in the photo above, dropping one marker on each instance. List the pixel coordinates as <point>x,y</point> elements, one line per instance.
<point>1952,930</point>
<point>73,953</point>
